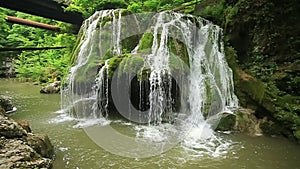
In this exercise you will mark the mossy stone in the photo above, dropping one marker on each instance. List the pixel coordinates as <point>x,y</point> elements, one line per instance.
<point>146,43</point>
<point>113,65</point>
<point>130,64</point>
<point>144,74</point>
<point>125,64</point>
<point>129,43</point>
<point>297,134</point>
<point>227,123</point>
<point>179,49</point>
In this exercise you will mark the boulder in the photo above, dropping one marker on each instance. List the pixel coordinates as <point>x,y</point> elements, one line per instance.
<point>243,121</point>
<point>10,128</point>
<point>15,153</point>
<point>51,88</point>
<point>247,122</point>
<point>6,103</point>
<point>21,149</point>
<point>41,144</point>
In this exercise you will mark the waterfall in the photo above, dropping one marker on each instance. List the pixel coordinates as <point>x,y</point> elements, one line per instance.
<point>186,69</point>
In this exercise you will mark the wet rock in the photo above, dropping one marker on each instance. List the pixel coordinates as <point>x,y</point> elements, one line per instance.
<point>51,88</point>
<point>25,125</point>
<point>6,103</point>
<point>10,129</point>
<point>2,111</point>
<point>41,144</point>
<point>227,123</point>
<point>247,122</point>
<point>243,121</point>
<point>15,153</point>
<point>21,149</point>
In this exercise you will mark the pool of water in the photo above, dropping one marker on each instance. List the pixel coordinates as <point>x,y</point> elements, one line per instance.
<point>74,149</point>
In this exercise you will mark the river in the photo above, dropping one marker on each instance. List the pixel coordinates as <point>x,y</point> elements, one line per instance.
<point>74,149</point>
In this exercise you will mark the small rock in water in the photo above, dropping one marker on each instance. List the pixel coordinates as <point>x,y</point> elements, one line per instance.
<point>51,88</point>
<point>6,103</point>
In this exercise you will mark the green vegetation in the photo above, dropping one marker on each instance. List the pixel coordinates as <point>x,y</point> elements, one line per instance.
<point>41,66</point>
<point>87,8</point>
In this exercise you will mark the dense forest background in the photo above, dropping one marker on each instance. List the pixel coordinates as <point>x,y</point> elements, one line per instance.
<point>41,65</point>
<point>262,42</point>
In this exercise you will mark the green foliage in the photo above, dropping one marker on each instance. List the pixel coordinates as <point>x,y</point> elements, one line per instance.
<point>3,28</point>
<point>135,7</point>
<point>215,12</point>
<point>44,65</point>
<point>261,69</point>
<point>230,12</point>
<point>220,12</point>
<point>87,8</point>
<point>297,134</point>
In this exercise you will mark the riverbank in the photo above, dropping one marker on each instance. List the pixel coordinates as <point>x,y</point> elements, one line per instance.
<point>19,147</point>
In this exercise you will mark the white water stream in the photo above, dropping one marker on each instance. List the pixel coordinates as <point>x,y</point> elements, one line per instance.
<point>206,85</point>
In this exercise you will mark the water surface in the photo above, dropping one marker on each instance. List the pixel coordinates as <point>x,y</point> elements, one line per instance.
<point>74,149</point>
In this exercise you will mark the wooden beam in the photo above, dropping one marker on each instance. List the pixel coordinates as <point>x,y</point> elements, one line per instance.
<point>31,48</point>
<point>32,23</point>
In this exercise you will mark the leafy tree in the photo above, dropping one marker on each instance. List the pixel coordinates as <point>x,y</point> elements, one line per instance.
<point>43,65</point>
<point>87,8</point>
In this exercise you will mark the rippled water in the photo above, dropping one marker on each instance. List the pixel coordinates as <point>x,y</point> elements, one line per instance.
<point>74,149</point>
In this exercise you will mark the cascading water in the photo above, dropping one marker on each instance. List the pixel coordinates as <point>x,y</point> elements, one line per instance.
<point>200,74</point>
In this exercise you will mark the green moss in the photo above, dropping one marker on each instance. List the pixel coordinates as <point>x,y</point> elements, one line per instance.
<point>144,74</point>
<point>125,12</point>
<point>146,43</point>
<point>128,44</point>
<point>231,58</point>
<point>255,88</point>
<point>76,49</point>
<point>113,65</point>
<point>125,64</point>
<point>134,63</point>
<point>179,49</point>
<point>297,134</point>
<point>242,119</point>
<point>109,54</point>
<point>87,73</point>
<point>271,128</point>
<point>176,64</point>
<point>227,123</point>
<point>130,64</point>
<point>105,21</point>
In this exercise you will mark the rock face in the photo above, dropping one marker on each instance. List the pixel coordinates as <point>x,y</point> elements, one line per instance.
<point>21,149</point>
<point>51,88</point>
<point>16,153</point>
